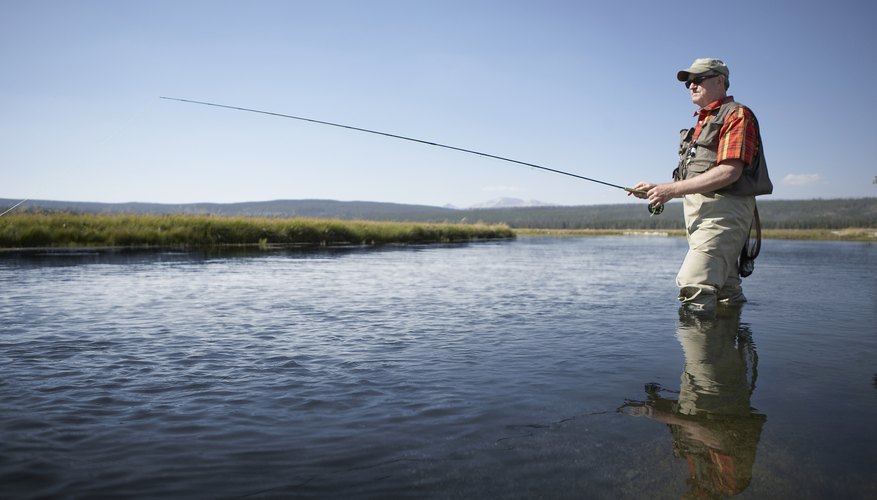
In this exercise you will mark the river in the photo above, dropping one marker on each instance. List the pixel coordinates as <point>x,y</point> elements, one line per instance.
<point>538,367</point>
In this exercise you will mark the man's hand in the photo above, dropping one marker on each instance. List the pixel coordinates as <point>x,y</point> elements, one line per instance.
<point>657,194</point>
<point>641,190</point>
<point>662,193</point>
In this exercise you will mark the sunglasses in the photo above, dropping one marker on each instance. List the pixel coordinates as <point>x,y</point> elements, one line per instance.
<point>698,80</point>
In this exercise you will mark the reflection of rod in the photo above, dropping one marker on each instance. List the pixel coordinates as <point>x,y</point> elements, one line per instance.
<point>13,207</point>
<point>629,190</point>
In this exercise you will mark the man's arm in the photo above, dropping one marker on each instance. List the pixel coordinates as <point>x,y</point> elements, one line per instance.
<point>722,175</point>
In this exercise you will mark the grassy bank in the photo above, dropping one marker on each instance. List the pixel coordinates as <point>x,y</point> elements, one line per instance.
<point>60,230</point>
<point>187,231</point>
<point>850,234</point>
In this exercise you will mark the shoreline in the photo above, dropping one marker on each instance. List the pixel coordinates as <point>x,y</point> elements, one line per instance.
<point>847,234</point>
<point>866,235</point>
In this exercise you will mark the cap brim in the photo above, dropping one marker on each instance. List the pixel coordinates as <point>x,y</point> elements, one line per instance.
<point>683,75</point>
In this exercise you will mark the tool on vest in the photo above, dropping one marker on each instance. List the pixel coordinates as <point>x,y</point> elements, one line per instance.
<point>654,210</point>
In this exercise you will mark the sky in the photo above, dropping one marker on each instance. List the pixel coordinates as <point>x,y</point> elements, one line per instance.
<point>579,86</point>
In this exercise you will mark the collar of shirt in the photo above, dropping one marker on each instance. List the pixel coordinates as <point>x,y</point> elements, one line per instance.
<point>705,111</point>
<point>703,114</point>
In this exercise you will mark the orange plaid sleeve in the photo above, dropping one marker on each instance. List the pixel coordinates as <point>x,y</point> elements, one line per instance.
<point>738,139</point>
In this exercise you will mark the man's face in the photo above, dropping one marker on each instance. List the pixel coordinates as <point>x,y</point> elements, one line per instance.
<point>705,89</point>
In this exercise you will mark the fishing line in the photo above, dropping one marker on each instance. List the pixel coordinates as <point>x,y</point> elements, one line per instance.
<point>653,209</point>
<point>13,207</point>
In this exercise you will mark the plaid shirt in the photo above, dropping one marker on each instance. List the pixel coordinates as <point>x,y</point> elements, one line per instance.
<point>738,138</point>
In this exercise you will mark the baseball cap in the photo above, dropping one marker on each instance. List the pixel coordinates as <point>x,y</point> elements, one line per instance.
<point>701,66</point>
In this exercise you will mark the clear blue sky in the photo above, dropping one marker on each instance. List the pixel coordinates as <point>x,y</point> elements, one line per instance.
<point>587,87</point>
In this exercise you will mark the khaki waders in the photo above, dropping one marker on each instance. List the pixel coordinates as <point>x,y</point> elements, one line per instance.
<point>717,226</point>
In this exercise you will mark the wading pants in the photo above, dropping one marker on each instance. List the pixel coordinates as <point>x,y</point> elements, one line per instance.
<point>717,226</point>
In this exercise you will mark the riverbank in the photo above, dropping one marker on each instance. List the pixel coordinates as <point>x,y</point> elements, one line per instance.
<point>64,230</point>
<point>849,234</point>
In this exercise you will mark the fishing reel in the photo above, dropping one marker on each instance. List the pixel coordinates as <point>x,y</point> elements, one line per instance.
<point>656,209</point>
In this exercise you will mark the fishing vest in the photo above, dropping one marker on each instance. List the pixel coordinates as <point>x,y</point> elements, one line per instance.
<point>696,157</point>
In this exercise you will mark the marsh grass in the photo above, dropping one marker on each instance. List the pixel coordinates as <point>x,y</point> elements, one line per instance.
<point>849,234</point>
<point>186,231</point>
<point>58,230</point>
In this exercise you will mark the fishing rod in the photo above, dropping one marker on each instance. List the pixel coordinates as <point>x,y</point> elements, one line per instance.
<point>13,207</point>
<point>653,209</point>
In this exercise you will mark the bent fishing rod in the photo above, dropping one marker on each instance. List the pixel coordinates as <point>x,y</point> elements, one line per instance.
<point>653,209</point>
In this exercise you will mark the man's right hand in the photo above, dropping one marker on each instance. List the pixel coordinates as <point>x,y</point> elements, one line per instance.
<point>641,190</point>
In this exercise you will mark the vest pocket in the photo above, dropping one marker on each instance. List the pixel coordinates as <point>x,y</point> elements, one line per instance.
<point>709,133</point>
<point>697,166</point>
<point>685,141</point>
<point>706,142</point>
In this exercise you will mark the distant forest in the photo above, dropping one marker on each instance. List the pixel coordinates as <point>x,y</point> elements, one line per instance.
<point>775,214</point>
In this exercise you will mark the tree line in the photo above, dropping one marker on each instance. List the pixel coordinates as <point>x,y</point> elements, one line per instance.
<point>775,214</point>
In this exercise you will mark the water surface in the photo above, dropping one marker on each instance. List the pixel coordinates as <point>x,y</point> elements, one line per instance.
<point>542,367</point>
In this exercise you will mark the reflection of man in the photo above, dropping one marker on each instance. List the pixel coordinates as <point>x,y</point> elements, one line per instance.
<point>712,424</point>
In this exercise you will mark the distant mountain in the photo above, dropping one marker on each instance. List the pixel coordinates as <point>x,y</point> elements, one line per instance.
<point>511,203</point>
<point>327,209</point>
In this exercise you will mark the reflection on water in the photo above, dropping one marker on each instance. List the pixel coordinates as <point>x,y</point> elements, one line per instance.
<point>713,425</point>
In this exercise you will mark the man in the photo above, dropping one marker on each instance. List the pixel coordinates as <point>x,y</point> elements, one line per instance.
<point>721,170</point>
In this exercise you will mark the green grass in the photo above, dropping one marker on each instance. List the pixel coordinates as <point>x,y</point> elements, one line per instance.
<point>849,234</point>
<point>188,231</point>
<point>66,230</point>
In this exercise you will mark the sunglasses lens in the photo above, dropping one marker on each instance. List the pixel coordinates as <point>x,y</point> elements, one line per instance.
<point>697,80</point>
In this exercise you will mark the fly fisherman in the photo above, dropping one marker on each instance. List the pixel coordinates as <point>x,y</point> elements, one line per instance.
<point>721,170</point>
